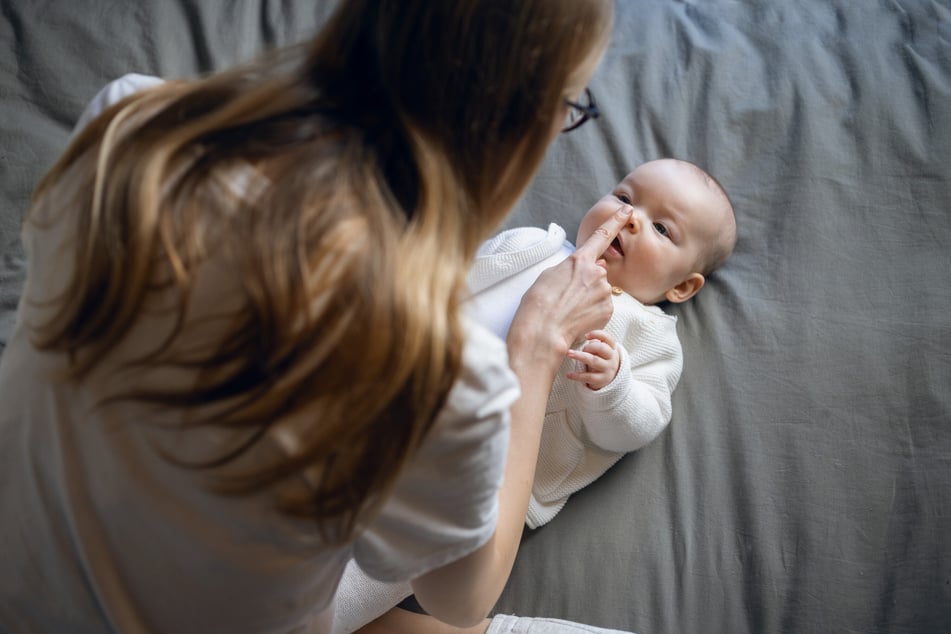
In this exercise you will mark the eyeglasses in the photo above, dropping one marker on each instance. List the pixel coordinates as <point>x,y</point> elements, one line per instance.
<point>578,113</point>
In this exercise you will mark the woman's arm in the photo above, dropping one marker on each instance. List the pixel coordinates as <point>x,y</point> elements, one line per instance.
<point>567,301</point>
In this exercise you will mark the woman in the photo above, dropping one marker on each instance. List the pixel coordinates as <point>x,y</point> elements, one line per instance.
<point>241,359</point>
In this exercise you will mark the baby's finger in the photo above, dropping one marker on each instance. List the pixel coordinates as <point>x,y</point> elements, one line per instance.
<point>590,379</point>
<point>600,335</point>
<point>585,358</point>
<point>599,349</point>
<point>580,377</point>
<point>601,239</point>
<point>591,361</point>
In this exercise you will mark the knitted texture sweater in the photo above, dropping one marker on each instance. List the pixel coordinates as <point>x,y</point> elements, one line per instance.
<point>585,431</point>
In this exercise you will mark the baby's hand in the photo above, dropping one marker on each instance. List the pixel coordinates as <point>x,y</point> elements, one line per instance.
<point>600,358</point>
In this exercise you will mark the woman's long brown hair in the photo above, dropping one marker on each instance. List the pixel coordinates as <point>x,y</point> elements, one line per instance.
<point>382,151</point>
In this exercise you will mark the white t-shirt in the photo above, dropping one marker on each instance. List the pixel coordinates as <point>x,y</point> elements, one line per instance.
<point>98,532</point>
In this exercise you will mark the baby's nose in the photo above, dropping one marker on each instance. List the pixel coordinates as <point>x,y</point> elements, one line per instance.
<point>634,223</point>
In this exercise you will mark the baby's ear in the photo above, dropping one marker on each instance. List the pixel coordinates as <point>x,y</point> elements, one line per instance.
<point>686,289</point>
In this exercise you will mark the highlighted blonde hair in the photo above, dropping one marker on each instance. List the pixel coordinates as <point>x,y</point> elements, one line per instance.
<point>381,151</point>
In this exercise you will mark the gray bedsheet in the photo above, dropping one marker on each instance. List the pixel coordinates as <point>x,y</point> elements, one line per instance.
<point>804,484</point>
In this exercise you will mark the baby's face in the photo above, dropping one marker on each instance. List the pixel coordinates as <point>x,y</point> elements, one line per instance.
<point>677,214</point>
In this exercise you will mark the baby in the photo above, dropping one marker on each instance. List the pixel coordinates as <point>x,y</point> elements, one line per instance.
<point>681,230</point>
<point>613,393</point>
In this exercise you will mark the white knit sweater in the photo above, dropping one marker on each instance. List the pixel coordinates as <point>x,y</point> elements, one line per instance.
<point>586,431</point>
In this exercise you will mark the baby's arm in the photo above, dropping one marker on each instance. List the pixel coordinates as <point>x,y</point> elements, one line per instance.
<point>633,408</point>
<point>600,358</point>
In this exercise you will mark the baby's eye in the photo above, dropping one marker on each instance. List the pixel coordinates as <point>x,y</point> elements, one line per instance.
<point>624,198</point>
<point>661,229</point>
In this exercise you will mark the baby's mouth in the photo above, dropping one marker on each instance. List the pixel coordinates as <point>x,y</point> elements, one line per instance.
<point>616,244</point>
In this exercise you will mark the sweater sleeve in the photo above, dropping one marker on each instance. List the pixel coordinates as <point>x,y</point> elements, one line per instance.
<point>633,409</point>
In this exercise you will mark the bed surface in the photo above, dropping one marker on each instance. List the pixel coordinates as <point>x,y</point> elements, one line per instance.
<point>804,484</point>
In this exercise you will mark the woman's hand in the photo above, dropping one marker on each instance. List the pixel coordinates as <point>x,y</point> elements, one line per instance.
<point>567,301</point>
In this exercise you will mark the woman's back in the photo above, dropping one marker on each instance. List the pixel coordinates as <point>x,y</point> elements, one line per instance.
<point>127,538</point>
<point>92,513</point>
<point>117,520</point>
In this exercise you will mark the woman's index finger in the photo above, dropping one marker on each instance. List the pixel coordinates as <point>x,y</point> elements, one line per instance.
<point>602,237</point>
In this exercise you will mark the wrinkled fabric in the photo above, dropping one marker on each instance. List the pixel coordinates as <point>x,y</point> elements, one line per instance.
<point>804,483</point>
